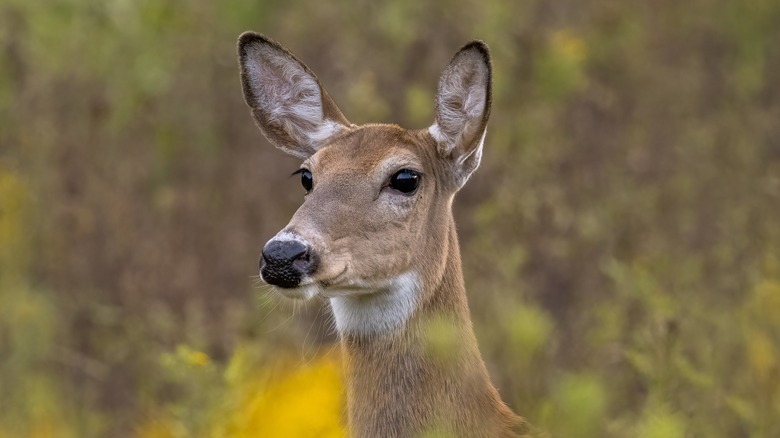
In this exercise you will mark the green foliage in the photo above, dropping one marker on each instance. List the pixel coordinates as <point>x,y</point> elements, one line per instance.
<point>578,407</point>
<point>621,240</point>
<point>529,330</point>
<point>559,69</point>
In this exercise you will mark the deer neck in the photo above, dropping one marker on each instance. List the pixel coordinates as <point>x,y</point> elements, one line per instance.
<point>399,382</point>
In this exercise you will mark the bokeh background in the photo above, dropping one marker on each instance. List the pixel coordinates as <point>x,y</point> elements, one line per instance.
<point>621,240</point>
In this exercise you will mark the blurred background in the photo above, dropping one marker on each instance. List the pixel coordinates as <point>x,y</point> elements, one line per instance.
<point>621,240</point>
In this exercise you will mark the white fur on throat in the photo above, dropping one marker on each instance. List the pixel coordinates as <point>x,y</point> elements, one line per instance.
<point>384,310</point>
<point>290,96</point>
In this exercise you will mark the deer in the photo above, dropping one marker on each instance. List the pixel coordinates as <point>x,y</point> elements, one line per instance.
<point>376,237</point>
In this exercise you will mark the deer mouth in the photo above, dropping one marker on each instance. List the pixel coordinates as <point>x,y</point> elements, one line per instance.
<point>335,281</point>
<point>307,288</point>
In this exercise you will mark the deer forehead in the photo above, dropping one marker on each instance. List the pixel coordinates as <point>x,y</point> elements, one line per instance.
<point>372,150</point>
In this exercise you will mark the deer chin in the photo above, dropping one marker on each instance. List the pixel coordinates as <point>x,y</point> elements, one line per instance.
<point>371,307</point>
<point>346,284</point>
<point>305,291</point>
<point>341,287</point>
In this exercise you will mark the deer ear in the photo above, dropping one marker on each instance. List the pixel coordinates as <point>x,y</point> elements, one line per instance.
<point>462,109</point>
<point>289,104</point>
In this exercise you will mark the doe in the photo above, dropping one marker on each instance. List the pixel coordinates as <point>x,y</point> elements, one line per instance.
<point>376,236</point>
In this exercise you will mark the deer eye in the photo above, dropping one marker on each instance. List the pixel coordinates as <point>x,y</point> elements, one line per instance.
<point>306,179</point>
<point>405,181</point>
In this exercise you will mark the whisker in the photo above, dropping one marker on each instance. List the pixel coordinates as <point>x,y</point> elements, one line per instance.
<point>283,322</point>
<point>268,299</point>
<point>330,321</point>
<point>333,346</point>
<point>303,345</point>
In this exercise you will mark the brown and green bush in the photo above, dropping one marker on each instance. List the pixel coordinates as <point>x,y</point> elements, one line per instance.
<point>621,240</point>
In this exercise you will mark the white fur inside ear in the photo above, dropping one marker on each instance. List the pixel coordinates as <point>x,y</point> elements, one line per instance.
<point>436,133</point>
<point>289,96</point>
<point>461,102</point>
<point>381,311</point>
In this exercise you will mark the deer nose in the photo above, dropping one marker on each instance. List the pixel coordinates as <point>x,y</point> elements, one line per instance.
<point>286,262</point>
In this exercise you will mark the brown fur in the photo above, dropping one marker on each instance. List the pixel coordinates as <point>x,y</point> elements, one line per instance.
<point>397,385</point>
<point>398,388</point>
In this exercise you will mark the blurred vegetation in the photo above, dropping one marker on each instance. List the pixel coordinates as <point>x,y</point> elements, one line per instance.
<point>621,240</point>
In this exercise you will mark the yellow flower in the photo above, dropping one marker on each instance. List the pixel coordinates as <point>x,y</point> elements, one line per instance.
<point>198,358</point>
<point>303,402</point>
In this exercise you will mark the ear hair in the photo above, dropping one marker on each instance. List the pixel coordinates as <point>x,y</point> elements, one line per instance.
<point>290,106</point>
<point>463,108</point>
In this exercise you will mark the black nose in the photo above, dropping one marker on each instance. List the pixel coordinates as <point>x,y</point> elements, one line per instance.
<point>286,262</point>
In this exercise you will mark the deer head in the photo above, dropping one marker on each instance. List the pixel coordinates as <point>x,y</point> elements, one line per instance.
<point>374,222</point>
